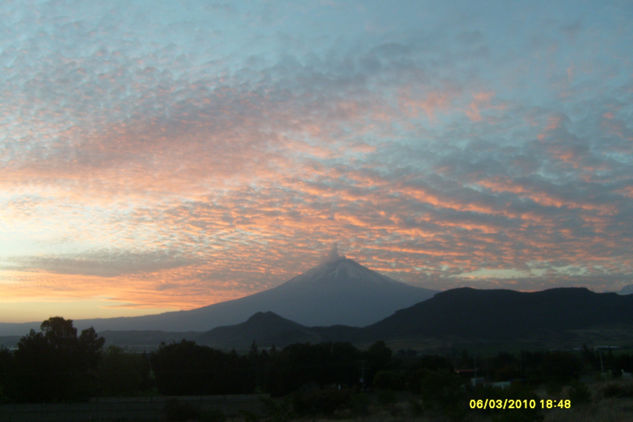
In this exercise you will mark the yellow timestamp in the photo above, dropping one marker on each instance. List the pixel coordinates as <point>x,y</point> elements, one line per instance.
<point>517,404</point>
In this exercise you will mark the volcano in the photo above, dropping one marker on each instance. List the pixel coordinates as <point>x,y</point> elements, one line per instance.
<point>337,292</point>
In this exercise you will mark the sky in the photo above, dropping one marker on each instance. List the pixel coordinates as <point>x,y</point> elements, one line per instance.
<point>163,155</point>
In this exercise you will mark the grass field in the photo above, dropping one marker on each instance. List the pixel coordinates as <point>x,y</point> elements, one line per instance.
<point>604,400</point>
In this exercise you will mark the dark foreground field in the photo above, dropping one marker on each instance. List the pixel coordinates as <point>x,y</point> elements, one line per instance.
<point>130,409</point>
<point>606,400</point>
<point>57,375</point>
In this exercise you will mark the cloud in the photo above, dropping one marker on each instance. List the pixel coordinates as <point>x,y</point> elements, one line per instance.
<point>106,263</point>
<point>213,158</point>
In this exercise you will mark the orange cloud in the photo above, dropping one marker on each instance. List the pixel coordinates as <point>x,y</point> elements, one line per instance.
<point>430,103</point>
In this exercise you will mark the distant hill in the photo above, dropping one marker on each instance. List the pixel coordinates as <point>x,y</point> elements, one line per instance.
<point>339,291</point>
<point>458,316</point>
<point>467,313</point>
<point>263,328</point>
<point>18,329</point>
<point>266,329</point>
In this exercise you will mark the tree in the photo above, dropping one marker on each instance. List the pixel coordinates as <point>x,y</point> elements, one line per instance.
<point>186,368</point>
<point>59,330</point>
<point>122,373</point>
<point>378,358</point>
<point>54,364</point>
<point>6,362</point>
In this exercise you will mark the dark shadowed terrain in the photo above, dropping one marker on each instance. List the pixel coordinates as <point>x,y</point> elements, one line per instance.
<point>550,318</point>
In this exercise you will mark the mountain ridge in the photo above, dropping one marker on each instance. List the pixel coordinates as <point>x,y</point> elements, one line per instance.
<point>504,314</point>
<point>571,316</point>
<point>463,315</point>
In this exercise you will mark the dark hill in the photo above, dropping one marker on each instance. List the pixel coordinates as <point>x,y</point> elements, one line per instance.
<point>461,315</point>
<point>504,314</point>
<point>563,316</point>
<point>264,328</point>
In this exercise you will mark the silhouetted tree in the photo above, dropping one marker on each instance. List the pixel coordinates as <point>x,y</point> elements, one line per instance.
<point>187,368</point>
<point>122,373</point>
<point>54,364</point>
<point>378,357</point>
<point>6,362</point>
<point>302,365</point>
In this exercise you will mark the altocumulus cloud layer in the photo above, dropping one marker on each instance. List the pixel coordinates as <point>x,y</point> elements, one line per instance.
<point>176,154</point>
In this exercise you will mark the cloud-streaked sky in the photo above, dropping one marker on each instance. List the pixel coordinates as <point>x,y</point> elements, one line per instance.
<point>169,155</point>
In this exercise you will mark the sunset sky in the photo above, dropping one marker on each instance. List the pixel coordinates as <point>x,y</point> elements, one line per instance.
<point>168,155</point>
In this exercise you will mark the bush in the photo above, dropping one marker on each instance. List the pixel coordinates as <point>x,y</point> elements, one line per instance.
<point>359,404</point>
<point>579,393</point>
<point>416,407</point>
<point>389,380</point>
<point>441,389</point>
<point>320,402</point>
<point>386,397</point>
<point>618,390</point>
<point>276,410</point>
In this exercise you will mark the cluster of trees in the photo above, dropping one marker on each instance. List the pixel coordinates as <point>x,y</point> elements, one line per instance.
<point>187,368</point>
<point>53,364</point>
<point>57,364</point>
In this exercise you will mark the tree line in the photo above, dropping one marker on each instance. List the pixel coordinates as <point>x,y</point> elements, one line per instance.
<point>58,364</point>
